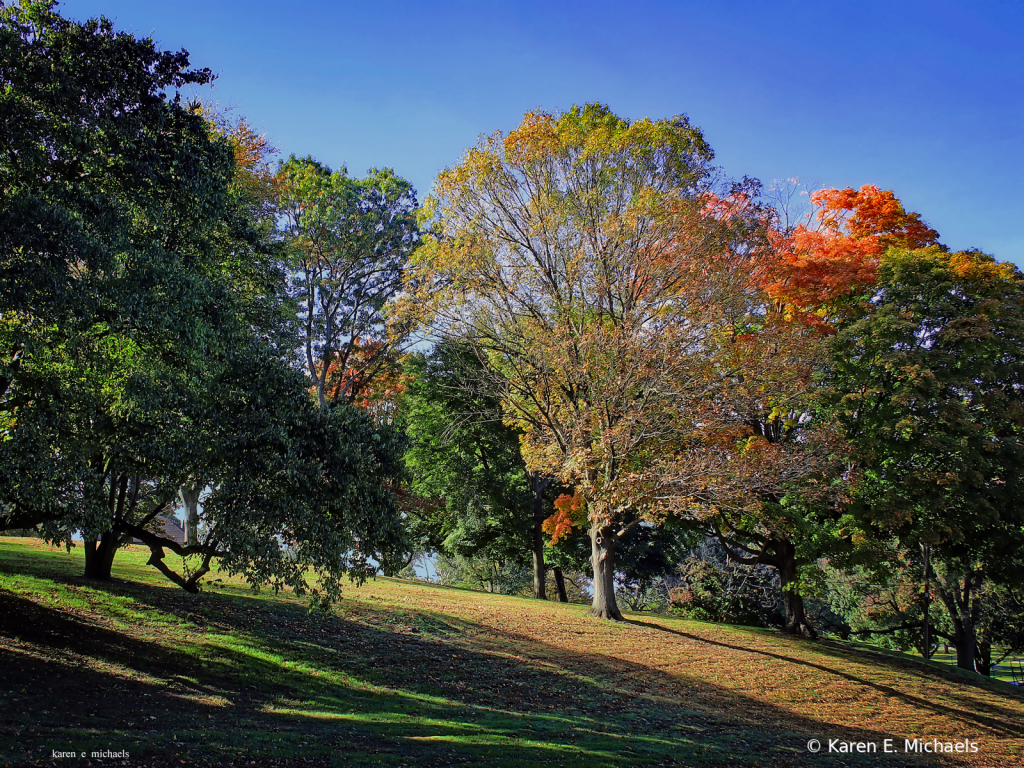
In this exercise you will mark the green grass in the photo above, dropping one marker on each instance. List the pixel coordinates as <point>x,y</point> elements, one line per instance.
<point>1000,671</point>
<point>418,675</point>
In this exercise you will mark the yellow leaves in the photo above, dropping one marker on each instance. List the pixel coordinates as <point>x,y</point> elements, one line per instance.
<point>600,289</point>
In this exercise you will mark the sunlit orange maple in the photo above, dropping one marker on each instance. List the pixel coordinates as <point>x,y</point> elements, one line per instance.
<point>835,252</point>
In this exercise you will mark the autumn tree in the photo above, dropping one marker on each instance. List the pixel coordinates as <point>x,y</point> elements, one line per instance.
<point>582,256</point>
<point>833,254</point>
<point>886,600</point>
<point>812,281</point>
<point>790,465</point>
<point>929,389</point>
<point>348,240</point>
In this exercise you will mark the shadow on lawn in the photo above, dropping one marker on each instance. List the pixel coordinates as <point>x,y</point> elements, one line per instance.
<point>365,696</point>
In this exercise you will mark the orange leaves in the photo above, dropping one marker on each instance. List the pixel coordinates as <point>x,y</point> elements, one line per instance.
<point>570,512</point>
<point>872,213</point>
<point>368,375</point>
<point>837,254</point>
<point>971,268</point>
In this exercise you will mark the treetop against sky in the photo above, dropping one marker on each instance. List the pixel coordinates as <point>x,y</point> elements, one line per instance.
<point>926,98</point>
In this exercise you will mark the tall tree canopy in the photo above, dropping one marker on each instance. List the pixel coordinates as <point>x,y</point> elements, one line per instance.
<point>585,258</point>
<point>108,189</point>
<point>145,335</point>
<point>812,281</point>
<point>348,241</point>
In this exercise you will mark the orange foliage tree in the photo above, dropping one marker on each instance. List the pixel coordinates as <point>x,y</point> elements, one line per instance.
<point>820,269</point>
<point>835,253</point>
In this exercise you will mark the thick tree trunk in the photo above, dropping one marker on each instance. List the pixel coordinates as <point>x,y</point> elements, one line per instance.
<point>563,597</point>
<point>965,647</point>
<point>539,574</point>
<point>602,558</point>
<point>99,556</point>
<point>796,621</point>
<point>962,604</point>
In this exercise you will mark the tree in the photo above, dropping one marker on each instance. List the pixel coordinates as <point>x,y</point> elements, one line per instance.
<point>349,241</point>
<point>834,254</point>
<point>105,181</point>
<point>489,505</point>
<point>585,259</point>
<point>789,465</point>
<point>709,585</point>
<point>144,302</point>
<point>782,346</point>
<point>887,600</point>
<point>929,389</point>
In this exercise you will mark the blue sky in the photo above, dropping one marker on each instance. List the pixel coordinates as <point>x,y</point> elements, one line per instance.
<point>925,98</point>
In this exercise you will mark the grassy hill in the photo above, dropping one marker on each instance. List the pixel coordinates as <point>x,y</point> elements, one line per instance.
<point>407,674</point>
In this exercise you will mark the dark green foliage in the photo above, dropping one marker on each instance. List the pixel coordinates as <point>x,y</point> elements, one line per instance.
<point>932,384</point>
<point>105,179</point>
<point>930,389</point>
<point>146,333</point>
<point>464,462</point>
<point>111,191</point>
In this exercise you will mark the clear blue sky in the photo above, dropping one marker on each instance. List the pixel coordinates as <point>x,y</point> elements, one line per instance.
<point>925,98</point>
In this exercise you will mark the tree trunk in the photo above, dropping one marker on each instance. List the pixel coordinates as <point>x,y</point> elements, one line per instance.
<point>538,483</point>
<point>602,558</point>
<point>560,585</point>
<point>983,658</point>
<point>539,575</point>
<point>99,556</point>
<point>963,606</point>
<point>965,647</point>
<point>190,500</point>
<point>796,621</point>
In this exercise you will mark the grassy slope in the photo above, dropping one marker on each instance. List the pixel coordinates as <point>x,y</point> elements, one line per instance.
<point>410,674</point>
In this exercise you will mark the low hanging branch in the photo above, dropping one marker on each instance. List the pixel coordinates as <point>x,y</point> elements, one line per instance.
<point>156,546</point>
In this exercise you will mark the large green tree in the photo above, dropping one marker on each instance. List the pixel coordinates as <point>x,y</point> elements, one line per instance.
<point>348,241</point>
<point>931,393</point>
<point>146,330</point>
<point>108,188</point>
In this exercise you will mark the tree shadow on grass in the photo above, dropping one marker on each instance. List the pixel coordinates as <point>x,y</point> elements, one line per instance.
<point>401,697</point>
<point>246,678</point>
